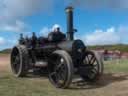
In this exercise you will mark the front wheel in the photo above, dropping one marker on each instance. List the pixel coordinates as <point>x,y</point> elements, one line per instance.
<point>19,61</point>
<point>92,65</point>
<point>60,69</point>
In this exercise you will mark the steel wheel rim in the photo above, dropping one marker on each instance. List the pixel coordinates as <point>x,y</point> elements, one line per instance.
<point>15,61</point>
<point>92,61</point>
<point>58,71</point>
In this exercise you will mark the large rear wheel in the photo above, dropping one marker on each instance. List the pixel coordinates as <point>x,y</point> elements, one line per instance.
<point>92,65</point>
<point>19,61</point>
<point>60,69</point>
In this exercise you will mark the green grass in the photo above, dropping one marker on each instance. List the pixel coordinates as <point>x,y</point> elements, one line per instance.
<point>11,86</point>
<point>116,66</point>
<point>4,54</point>
<point>5,51</point>
<point>120,47</point>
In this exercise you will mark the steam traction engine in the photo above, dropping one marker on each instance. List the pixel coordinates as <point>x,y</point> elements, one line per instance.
<point>62,59</point>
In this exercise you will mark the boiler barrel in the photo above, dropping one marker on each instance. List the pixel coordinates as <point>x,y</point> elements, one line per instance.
<point>72,46</point>
<point>67,45</point>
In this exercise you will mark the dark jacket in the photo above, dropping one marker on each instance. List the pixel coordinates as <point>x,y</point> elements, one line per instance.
<point>56,36</point>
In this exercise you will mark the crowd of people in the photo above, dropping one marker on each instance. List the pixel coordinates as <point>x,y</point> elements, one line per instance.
<point>55,36</point>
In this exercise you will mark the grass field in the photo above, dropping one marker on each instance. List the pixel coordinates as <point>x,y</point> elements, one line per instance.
<point>114,79</point>
<point>116,66</point>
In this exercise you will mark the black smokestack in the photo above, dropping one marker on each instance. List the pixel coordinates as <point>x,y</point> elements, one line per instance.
<point>70,29</point>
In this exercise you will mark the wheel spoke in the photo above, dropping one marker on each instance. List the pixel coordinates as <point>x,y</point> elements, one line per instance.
<point>87,60</point>
<point>60,65</point>
<point>16,61</point>
<point>94,70</point>
<point>90,59</point>
<point>53,73</point>
<point>91,75</point>
<point>93,65</point>
<point>63,76</point>
<point>60,74</point>
<point>93,60</point>
<point>19,61</point>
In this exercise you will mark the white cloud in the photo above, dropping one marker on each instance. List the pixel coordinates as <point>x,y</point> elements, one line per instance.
<point>24,7</point>
<point>11,12</point>
<point>99,4</point>
<point>17,26</point>
<point>45,30</point>
<point>113,35</point>
<point>55,26</point>
<point>5,42</point>
<point>122,32</point>
<point>2,41</point>
<point>100,37</point>
<point>8,43</point>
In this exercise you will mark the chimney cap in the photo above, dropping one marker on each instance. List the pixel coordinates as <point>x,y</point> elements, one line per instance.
<point>69,8</point>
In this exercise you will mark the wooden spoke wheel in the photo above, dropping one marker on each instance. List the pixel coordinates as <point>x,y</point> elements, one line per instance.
<point>93,65</point>
<point>19,61</point>
<point>60,69</point>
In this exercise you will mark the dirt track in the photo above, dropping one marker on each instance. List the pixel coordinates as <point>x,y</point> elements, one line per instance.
<point>109,85</point>
<point>4,62</point>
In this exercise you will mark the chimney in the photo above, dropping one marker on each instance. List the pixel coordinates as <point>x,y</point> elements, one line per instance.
<point>70,29</point>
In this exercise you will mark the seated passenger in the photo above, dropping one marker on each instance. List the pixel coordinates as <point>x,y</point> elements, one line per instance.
<point>21,40</point>
<point>56,35</point>
<point>33,40</point>
<point>27,41</point>
<point>42,40</point>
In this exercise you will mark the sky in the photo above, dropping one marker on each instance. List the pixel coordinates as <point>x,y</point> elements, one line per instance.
<point>99,22</point>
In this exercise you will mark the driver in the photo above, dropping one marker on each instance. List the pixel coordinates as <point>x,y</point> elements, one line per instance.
<point>56,35</point>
